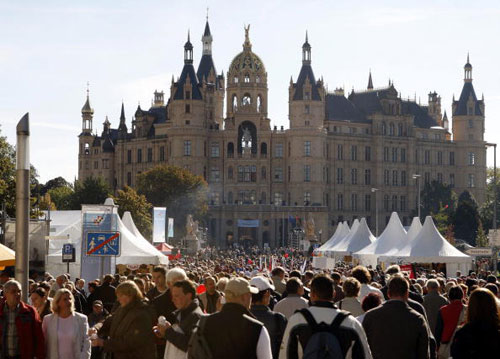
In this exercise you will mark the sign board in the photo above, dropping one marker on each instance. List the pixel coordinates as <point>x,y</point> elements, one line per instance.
<point>159,224</point>
<point>68,253</point>
<point>479,251</point>
<point>103,244</point>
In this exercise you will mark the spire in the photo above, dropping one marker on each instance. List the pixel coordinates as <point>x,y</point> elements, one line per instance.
<point>206,39</point>
<point>370,82</point>
<point>123,126</point>
<point>306,51</point>
<point>247,45</point>
<point>188,51</point>
<point>122,114</point>
<point>86,107</point>
<point>468,70</point>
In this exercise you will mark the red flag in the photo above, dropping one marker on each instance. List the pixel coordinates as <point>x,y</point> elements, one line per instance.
<point>250,261</point>
<point>201,289</point>
<point>286,255</point>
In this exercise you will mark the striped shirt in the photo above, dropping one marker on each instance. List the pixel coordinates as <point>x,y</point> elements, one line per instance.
<point>11,331</point>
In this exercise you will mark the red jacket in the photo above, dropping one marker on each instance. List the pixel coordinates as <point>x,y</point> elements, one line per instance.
<point>29,332</point>
<point>450,314</point>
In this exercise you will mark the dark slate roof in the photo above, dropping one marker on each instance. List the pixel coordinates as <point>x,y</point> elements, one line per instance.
<point>467,91</point>
<point>305,72</point>
<point>338,108</point>
<point>368,102</point>
<point>421,117</point>
<point>207,30</point>
<point>188,70</point>
<point>108,145</point>
<point>159,114</point>
<point>206,65</point>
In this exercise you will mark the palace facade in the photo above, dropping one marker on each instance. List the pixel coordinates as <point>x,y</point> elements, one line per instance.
<point>344,156</point>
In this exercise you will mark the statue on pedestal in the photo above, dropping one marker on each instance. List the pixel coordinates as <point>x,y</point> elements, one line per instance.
<point>310,228</point>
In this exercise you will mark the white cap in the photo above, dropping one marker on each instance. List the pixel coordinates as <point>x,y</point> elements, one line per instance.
<point>261,283</point>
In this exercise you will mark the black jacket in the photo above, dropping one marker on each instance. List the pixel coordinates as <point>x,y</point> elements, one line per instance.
<point>187,320</point>
<point>275,324</point>
<point>106,293</point>
<point>164,306</point>
<point>474,341</point>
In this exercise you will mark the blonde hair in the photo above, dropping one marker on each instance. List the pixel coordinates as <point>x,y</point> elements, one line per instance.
<point>55,301</point>
<point>130,289</point>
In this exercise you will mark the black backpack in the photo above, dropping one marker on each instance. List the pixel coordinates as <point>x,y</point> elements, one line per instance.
<point>323,343</point>
<point>198,347</point>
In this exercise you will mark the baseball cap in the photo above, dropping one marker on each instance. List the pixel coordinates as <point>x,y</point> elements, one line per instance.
<point>239,286</point>
<point>261,283</point>
<point>97,303</point>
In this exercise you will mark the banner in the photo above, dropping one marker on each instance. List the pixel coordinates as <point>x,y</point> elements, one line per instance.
<point>159,224</point>
<point>170,228</point>
<point>248,223</point>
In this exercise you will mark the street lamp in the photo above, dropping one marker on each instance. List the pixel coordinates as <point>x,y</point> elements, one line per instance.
<point>494,145</point>
<point>374,190</point>
<point>417,178</point>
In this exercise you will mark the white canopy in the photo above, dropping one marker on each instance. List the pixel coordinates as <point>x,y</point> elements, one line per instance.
<point>345,230</point>
<point>129,223</point>
<point>340,233</point>
<point>339,249</point>
<point>414,229</point>
<point>329,242</point>
<point>392,238</point>
<point>358,240</point>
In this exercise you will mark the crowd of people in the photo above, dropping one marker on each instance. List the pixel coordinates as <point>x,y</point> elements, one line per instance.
<point>253,305</point>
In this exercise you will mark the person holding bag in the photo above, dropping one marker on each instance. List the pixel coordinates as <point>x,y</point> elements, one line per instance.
<point>449,318</point>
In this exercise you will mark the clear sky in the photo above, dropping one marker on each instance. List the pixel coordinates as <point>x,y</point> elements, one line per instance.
<point>128,49</point>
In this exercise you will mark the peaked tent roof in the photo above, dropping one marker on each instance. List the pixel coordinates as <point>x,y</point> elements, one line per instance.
<point>342,234</point>
<point>414,229</point>
<point>341,246</point>
<point>128,221</point>
<point>331,240</point>
<point>362,238</point>
<point>429,246</point>
<point>393,237</point>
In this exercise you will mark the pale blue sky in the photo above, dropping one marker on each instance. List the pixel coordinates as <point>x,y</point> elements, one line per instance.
<point>127,49</point>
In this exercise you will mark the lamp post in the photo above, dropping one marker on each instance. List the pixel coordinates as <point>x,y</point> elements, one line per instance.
<point>374,190</point>
<point>417,178</point>
<point>494,249</point>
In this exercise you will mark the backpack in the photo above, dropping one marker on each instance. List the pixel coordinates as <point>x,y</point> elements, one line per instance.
<point>198,347</point>
<point>323,344</point>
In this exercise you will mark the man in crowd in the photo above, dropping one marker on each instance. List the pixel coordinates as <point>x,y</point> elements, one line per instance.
<point>274,322</point>
<point>348,330</point>
<point>20,326</point>
<point>294,300</point>
<point>188,313</point>
<point>160,280</point>
<point>106,293</point>
<point>363,276</point>
<point>433,301</point>
<point>233,332</point>
<point>339,292</point>
<point>210,297</point>
<point>394,330</point>
<point>278,277</point>
<point>58,284</point>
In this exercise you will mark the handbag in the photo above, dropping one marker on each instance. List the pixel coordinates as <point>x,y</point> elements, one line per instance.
<point>444,348</point>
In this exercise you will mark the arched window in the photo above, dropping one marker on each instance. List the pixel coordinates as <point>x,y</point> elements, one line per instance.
<point>391,129</point>
<point>235,103</point>
<point>246,100</point>
<point>230,150</point>
<point>235,79</point>
<point>259,103</point>
<point>400,129</point>
<point>87,149</point>
<point>247,78</point>
<point>263,148</point>
<point>384,128</point>
<point>230,197</point>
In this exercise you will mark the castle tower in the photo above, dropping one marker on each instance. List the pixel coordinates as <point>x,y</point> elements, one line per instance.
<point>85,140</point>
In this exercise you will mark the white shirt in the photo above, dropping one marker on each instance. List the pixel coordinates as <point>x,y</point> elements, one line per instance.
<point>264,345</point>
<point>66,337</point>
<point>366,288</point>
<point>288,305</point>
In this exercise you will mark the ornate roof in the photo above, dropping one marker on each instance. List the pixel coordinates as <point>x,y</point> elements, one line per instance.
<point>247,61</point>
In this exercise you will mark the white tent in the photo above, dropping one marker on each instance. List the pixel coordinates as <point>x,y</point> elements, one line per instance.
<point>392,238</point>
<point>345,231</point>
<point>129,223</point>
<point>414,229</point>
<point>134,250</point>
<point>329,242</point>
<point>340,233</point>
<point>429,246</point>
<point>358,240</point>
<point>339,249</point>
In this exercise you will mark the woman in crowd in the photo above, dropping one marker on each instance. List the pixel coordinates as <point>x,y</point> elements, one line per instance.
<point>41,302</point>
<point>370,301</point>
<point>351,288</point>
<point>449,318</point>
<point>129,334</point>
<point>480,336</point>
<point>65,330</point>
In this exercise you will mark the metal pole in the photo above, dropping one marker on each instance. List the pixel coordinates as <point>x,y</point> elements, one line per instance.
<point>495,254</point>
<point>418,196</point>
<point>23,204</point>
<point>376,215</point>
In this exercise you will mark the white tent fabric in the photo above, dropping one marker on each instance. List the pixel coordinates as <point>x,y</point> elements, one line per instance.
<point>134,250</point>
<point>358,240</point>
<point>329,242</point>
<point>414,229</point>
<point>129,223</point>
<point>392,238</point>
<point>342,234</point>
<point>339,249</point>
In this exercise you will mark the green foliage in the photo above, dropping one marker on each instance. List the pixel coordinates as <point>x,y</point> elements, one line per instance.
<point>442,220</point>
<point>481,238</point>
<point>90,191</point>
<point>176,188</point>
<point>129,200</point>
<point>486,210</point>
<point>466,220</point>
<point>7,176</point>
<point>62,197</point>
<point>53,183</point>
<point>436,197</point>
<point>45,203</point>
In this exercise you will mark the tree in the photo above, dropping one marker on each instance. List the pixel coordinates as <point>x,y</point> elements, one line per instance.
<point>54,183</point>
<point>45,203</point>
<point>466,219</point>
<point>62,197</point>
<point>450,234</point>
<point>90,191</point>
<point>481,238</point>
<point>128,199</point>
<point>437,196</point>
<point>7,176</point>
<point>176,188</point>
<point>442,220</point>
<point>486,210</point>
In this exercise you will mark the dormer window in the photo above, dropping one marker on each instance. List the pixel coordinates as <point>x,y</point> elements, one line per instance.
<point>247,78</point>
<point>235,80</point>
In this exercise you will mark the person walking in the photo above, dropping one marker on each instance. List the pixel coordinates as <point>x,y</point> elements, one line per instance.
<point>433,301</point>
<point>449,318</point>
<point>324,314</point>
<point>106,293</point>
<point>394,330</point>
<point>294,300</point>
<point>20,326</point>
<point>234,333</point>
<point>129,333</point>
<point>160,281</point>
<point>480,336</point>
<point>350,303</point>
<point>187,315</point>
<point>41,302</point>
<point>278,277</point>
<point>65,330</point>
<point>363,276</point>
<point>209,298</point>
<point>274,322</point>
